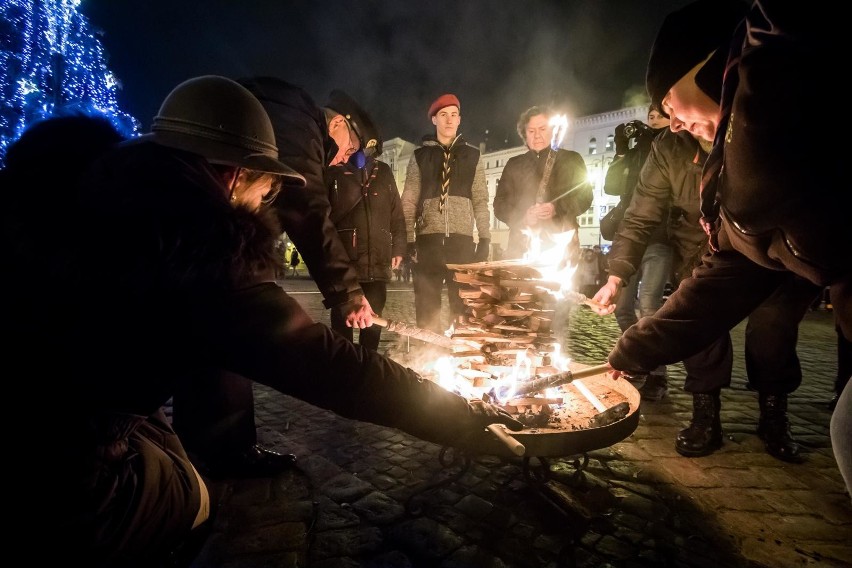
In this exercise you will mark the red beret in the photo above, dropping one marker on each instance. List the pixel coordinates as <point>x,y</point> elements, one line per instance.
<point>443,101</point>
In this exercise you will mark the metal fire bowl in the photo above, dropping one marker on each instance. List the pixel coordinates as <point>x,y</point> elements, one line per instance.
<point>556,442</point>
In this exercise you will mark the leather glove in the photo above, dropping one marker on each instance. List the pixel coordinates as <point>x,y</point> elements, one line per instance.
<point>411,250</point>
<point>482,250</point>
<point>622,143</point>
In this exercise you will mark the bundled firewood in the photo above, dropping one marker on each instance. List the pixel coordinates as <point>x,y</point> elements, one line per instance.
<point>509,307</point>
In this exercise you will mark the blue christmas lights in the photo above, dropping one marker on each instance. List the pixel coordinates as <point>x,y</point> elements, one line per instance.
<point>52,64</point>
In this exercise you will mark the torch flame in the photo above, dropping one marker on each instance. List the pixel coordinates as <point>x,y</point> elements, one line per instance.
<point>559,123</point>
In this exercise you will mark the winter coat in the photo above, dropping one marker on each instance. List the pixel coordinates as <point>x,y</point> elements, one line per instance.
<point>779,198</point>
<point>622,175</point>
<point>519,183</point>
<point>467,203</point>
<point>163,279</point>
<point>666,196</point>
<point>301,135</point>
<point>367,211</point>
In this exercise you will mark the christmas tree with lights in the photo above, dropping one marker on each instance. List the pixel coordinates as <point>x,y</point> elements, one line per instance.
<point>52,64</point>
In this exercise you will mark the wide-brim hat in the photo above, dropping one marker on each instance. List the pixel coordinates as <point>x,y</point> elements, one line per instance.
<point>223,121</point>
<point>359,120</point>
<point>685,39</point>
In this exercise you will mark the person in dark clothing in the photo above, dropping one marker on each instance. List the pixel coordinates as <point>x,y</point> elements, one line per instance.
<point>646,286</point>
<point>184,285</point>
<point>295,261</point>
<point>367,212</point>
<point>444,199</point>
<point>731,73</point>
<point>667,195</point>
<point>520,200</point>
<point>215,417</point>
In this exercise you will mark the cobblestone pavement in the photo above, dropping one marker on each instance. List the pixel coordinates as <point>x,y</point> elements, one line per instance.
<point>357,497</point>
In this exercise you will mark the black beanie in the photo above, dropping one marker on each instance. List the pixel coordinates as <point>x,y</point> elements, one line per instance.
<point>686,38</point>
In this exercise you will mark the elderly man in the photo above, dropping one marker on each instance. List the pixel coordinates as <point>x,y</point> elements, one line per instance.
<point>526,201</point>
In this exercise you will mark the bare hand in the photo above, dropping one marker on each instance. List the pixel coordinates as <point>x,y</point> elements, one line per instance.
<point>395,262</point>
<point>607,296</point>
<point>361,315</point>
<point>545,210</point>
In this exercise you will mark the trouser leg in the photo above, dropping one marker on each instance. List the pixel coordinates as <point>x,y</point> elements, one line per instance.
<point>625,307</point>
<point>338,324</point>
<point>771,335</point>
<point>841,435</point>
<point>214,413</point>
<point>656,271</point>
<point>428,282</point>
<point>710,369</point>
<point>376,293</point>
<point>458,249</point>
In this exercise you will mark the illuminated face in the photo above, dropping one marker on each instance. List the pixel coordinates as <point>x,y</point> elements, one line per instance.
<point>538,133</point>
<point>252,193</point>
<point>447,121</point>
<point>657,120</point>
<point>345,138</point>
<point>690,109</point>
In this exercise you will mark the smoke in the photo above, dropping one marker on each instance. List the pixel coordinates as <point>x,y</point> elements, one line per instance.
<point>499,57</point>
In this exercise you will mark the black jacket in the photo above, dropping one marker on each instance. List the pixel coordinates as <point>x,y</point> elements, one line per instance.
<point>366,209</point>
<point>780,199</point>
<point>301,135</point>
<point>518,185</point>
<point>158,278</point>
<point>622,175</point>
<point>667,198</point>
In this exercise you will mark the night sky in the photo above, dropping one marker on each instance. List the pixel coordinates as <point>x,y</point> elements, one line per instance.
<point>395,57</point>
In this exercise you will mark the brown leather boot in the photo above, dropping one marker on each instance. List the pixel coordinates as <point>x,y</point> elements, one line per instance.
<point>703,436</point>
<point>774,428</point>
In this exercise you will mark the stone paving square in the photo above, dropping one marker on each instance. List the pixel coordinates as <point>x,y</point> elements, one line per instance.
<point>637,503</point>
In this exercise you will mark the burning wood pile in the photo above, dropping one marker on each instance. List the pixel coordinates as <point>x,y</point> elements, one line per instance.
<point>518,362</point>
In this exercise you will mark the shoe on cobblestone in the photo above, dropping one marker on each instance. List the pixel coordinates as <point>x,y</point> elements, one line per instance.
<point>703,436</point>
<point>774,428</point>
<point>656,388</point>
<point>256,461</point>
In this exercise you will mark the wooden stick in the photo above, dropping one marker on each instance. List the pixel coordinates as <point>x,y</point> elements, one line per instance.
<point>558,379</point>
<point>424,334</point>
<point>514,446</point>
<point>590,396</point>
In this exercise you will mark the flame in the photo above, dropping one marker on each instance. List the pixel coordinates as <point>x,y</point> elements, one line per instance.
<point>549,257</point>
<point>552,262</point>
<point>559,123</point>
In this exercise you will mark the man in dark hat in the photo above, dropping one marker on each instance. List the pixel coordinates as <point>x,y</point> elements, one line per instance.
<point>748,79</point>
<point>444,184</point>
<point>365,209</point>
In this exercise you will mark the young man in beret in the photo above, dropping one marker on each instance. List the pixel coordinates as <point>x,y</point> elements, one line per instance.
<point>769,198</point>
<point>445,199</point>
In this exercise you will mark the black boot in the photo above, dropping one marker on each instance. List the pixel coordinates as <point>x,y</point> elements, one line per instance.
<point>774,428</point>
<point>704,434</point>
